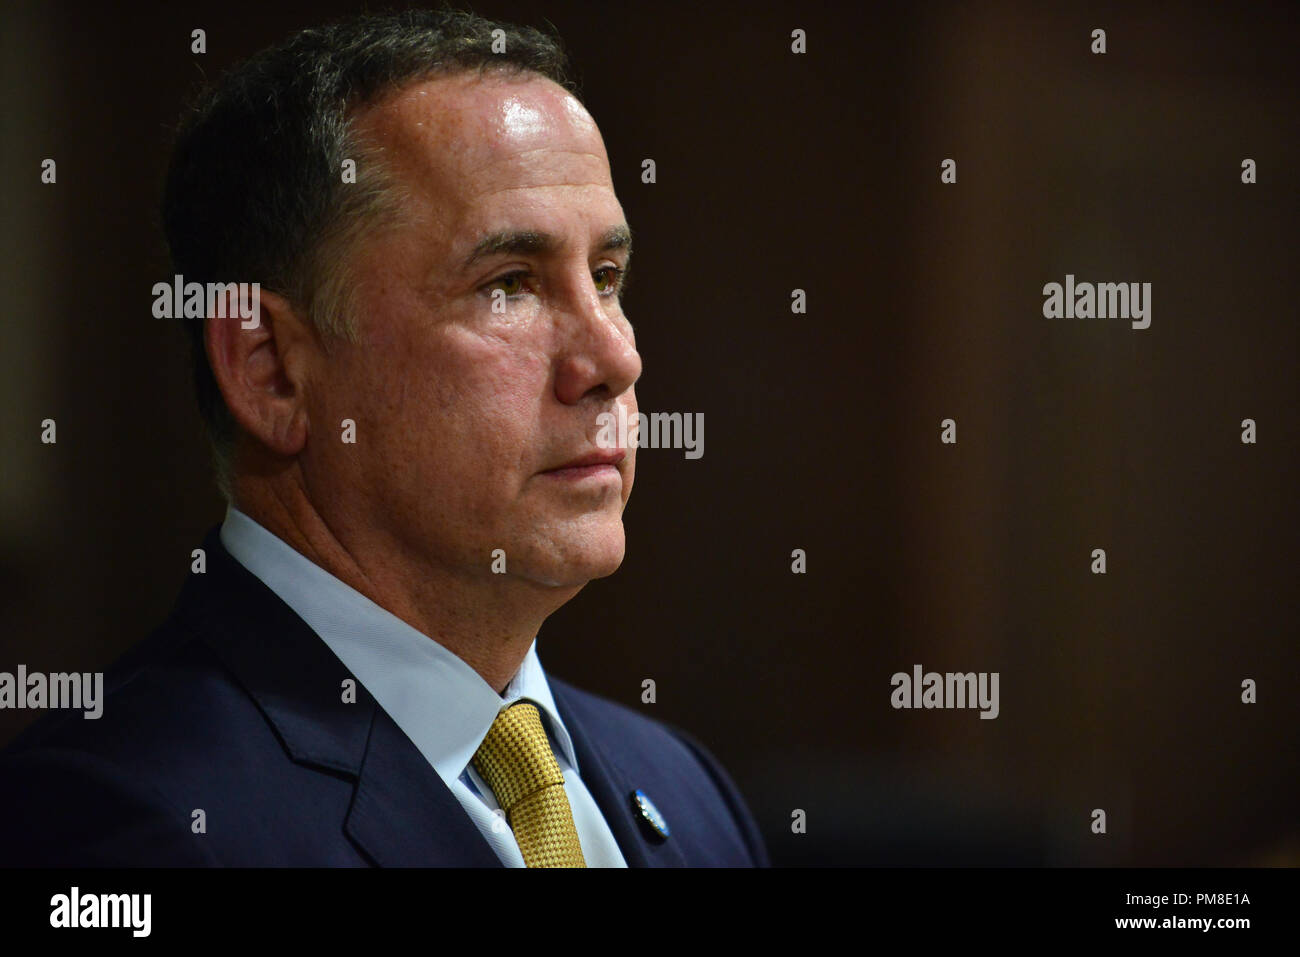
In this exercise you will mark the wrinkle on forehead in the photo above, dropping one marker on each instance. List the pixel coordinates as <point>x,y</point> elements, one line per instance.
<point>479,153</point>
<point>457,124</point>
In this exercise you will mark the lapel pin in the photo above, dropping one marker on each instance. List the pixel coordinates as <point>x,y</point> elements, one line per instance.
<point>649,815</point>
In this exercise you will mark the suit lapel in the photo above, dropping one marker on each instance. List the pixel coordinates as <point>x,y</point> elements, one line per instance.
<point>402,813</point>
<point>611,787</point>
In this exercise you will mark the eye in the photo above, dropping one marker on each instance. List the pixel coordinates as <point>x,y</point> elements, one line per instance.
<point>608,279</point>
<point>512,284</point>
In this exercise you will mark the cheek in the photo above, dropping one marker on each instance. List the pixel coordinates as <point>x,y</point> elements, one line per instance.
<point>465,412</point>
<point>348,390</point>
<point>493,385</point>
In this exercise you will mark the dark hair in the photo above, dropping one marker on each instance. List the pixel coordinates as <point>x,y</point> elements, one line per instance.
<point>254,191</point>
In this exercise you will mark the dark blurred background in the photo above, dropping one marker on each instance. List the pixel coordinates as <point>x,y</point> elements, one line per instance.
<point>818,171</point>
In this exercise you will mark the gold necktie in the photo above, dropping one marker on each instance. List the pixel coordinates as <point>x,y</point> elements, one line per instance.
<point>515,760</point>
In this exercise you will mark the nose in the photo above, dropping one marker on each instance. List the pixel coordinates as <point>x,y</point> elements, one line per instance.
<point>598,354</point>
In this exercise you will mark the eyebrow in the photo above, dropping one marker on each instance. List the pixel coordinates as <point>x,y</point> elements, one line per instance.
<point>533,242</point>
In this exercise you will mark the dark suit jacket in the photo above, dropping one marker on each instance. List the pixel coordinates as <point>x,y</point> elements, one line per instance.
<point>233,706</point>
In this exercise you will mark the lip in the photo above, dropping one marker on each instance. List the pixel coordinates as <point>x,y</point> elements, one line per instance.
<point>593,463</point>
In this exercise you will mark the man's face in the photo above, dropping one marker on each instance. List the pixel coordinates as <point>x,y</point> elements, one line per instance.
<point>466,415</point>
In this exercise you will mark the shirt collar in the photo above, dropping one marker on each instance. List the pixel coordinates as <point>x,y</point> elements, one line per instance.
<point>442,704</point>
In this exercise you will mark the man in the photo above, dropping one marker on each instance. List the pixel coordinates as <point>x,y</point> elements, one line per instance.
<point>407,433</point>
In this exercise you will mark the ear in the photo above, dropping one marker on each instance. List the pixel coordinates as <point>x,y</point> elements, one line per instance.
<point>262,365</point>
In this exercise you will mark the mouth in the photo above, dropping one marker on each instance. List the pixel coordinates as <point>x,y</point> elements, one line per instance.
<point>598,465</point>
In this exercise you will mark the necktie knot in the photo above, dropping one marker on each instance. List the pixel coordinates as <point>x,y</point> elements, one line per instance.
<point>515,760</point>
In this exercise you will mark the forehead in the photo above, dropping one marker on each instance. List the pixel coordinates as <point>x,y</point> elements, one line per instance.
<point>469,139</point>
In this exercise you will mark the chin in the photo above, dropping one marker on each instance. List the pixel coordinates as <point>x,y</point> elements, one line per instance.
<point>573,563</point>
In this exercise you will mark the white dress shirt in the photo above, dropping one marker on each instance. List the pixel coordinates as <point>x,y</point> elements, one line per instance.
<point>442,704</point>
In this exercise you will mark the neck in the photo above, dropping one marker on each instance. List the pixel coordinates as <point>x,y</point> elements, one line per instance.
<point>489,621</point>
